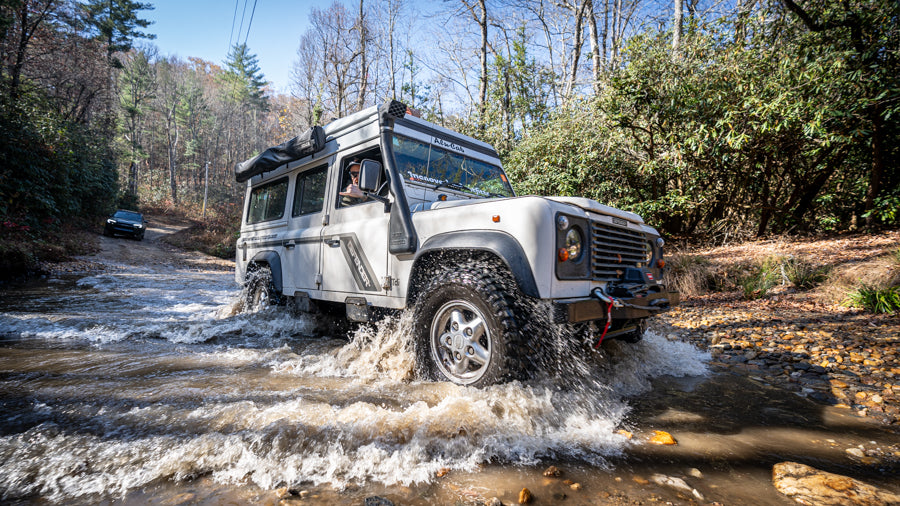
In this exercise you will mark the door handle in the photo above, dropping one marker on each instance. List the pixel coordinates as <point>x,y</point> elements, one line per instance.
<point>290,245</point>
<point>334,243</point>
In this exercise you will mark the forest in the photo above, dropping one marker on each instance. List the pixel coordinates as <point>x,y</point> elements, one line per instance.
<point>715,120</point>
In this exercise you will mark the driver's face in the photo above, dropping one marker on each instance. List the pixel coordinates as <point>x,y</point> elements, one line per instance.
<point>354,173</point>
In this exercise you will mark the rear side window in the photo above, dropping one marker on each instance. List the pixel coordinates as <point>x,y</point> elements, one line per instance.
<point>267,202</point>
<point>309,192</point>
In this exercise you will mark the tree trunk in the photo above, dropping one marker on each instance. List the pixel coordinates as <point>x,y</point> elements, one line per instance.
<point>595,46</point>
<point>617,19</point>
<point>392,17</point>
<point>677,23</point>
<point>877,168</point>
<point>482,88</point>
<point>576,47</point>
<point>30,18</point>
<point>364,71</point>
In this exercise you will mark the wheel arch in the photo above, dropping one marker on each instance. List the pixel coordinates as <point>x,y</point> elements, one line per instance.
<point>462,246</point>
<point>273,261</point>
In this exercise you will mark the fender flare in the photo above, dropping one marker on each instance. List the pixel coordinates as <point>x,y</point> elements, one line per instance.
<point>500,244</point>
<point>272,259</point>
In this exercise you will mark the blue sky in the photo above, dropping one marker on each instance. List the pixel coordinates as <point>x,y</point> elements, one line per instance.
<point>202,28</point>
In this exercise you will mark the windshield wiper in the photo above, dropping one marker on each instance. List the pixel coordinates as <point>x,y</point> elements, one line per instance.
<point>454,186</point>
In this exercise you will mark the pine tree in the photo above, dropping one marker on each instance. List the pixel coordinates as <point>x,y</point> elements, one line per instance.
<point>244,79</point>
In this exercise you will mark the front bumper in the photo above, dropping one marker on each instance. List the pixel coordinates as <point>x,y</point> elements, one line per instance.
<point>588,309</point>
<point>124,229</point>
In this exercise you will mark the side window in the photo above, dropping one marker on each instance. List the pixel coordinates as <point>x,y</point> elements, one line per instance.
<point>349,168</point>
<point>267,201</point>
<point>309,192</point>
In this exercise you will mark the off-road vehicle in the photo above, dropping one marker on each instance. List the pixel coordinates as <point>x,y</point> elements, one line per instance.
<point>433,224</point>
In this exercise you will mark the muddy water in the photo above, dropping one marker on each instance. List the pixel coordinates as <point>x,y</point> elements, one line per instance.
<point>140,385</point>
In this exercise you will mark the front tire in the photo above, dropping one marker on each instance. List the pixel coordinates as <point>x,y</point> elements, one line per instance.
<point>466,330</point>
<point>261,290</point>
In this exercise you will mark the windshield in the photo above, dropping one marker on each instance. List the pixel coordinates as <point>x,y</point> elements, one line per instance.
<point>441,168</point>
<point>127,215</point>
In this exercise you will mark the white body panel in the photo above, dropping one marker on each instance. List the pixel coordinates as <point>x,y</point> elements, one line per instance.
<point>341,252</point>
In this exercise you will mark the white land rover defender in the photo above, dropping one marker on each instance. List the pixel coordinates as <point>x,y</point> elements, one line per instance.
<point>439,229</point>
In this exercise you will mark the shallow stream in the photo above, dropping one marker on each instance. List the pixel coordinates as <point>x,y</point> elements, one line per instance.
<point>140,385</point>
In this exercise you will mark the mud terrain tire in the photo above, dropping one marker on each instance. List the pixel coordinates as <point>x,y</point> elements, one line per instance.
<point>261,290</point>
<point>466,330</point>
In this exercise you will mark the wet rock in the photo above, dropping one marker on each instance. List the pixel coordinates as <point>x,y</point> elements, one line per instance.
<point>676,483</point>
<point>525,496</point>
<point>378,501</point>
<point>660,437</point>
<point>185,498</point>
<point>444,471</point>
<point>695,473</point>
<point>493,501</point>
<point>808,485</point>
<point>552,471</point>
<point>575,486</point>
<point>624,433</point>
<point>640,481</point>
<point>282,492</point>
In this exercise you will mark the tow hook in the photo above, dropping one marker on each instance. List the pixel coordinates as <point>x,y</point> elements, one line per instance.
<point>598,293</point>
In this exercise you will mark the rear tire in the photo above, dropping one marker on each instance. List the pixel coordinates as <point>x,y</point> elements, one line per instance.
<point>466,330</point>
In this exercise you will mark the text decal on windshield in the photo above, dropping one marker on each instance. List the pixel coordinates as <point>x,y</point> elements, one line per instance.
<point>425,179</point>
<point>437,141</point>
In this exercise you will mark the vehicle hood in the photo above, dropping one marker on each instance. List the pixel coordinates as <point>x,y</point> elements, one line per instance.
<point>585,204</point>
<point>125,221</point>
<point>596,207</point>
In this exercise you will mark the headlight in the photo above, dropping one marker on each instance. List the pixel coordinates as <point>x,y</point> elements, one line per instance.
<point>138,225</point>
<point>572,246</point>
<point>574,242</point>
<point>111,221</point>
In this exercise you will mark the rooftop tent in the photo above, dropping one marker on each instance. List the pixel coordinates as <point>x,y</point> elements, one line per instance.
<point>310,142</point>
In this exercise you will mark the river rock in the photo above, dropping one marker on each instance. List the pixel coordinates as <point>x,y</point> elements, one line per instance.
<point>378,501</point>
<point>808,485</point>
<point>493,501</point>
<point>551,471</point>
<point>676,483</point>
<point>856,452</point>
<point>660,437</point>
<point>525,496</point>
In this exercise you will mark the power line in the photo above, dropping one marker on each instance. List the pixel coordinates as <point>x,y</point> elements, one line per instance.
<point>233,19</point>
<point>243,14</point>
<point>250,23</point>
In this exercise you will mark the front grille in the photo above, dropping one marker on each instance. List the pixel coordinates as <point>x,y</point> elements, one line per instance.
<point>613,249</point>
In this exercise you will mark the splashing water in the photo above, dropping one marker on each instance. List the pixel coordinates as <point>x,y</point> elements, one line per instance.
<point>121,380</point>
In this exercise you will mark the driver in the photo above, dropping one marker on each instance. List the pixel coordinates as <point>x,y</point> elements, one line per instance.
<point>352,194</point>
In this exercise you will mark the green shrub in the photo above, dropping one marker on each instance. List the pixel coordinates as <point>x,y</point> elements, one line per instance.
<point>803,274</point>
<point>757,283</point>
<point>877,300</point>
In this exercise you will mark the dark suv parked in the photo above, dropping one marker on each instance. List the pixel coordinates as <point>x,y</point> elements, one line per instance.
<point>128,223</point>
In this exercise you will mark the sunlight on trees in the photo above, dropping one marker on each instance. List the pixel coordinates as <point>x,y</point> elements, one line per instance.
<point>711,119</point>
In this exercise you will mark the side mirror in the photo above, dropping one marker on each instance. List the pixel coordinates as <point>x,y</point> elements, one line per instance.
<point>369,175</point>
